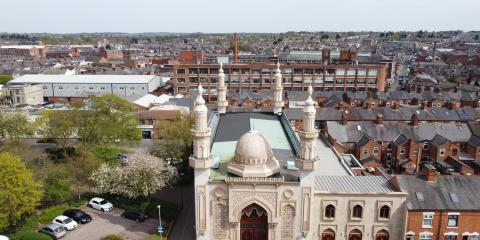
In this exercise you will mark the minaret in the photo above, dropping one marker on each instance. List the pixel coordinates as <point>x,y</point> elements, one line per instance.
<point>277,91</point>
<point>201,157</point>
<point>308,136</point>
<point>221,91</point>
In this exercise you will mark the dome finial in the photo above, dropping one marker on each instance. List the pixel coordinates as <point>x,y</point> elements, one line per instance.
<point>278,67</point>
<point>221,68</point>
<point>309,101</point>
<point>200,99</point>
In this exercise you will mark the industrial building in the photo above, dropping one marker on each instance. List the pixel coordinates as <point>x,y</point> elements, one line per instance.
<point>67,88</point>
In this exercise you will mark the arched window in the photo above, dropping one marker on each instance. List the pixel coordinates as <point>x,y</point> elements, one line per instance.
<point>330,211</point>
<point>357,211</point>
<point>355,234</point>
<point>382,235</point>
<point>385,212</point>
<point>328,234</point>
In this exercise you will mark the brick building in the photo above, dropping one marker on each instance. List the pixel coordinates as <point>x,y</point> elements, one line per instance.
<point>441,207</point>
<point>296,77</point>
<point>23,51</point>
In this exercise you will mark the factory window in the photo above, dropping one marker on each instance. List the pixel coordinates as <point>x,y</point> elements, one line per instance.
<point>256,71</point>
<point>91,87</point>
<point>308,71</point>
<point>193,80</point>
<point>351,72</point>
<point>235,71</point>
<point>330,71</point>
<point>193,70</point>
<point>297,71</point>
<point>372,72</point>
<point>319,71</point>
<point>76,87</point>
<point>213,80</point>
<point>245,71</point>
<point>213,71</point>
<point>203,70</point>
<point>340,71</point>
<point>59,87</point>
<point>132,88</point>
<point>181,71</point>
<point>256,80</point>
<point>362,71</point>
<point>181,80</point>
<point>102,88</point>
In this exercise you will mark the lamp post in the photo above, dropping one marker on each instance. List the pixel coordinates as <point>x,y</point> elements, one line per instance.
<point>160,227</point>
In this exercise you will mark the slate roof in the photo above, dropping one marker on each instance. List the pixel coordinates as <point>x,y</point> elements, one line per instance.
<point>438,140</point>
<point>474,141</point>
<point>353,184</point>
<point>400,139</point>
<point>388,132</point>
<point>437,195</point>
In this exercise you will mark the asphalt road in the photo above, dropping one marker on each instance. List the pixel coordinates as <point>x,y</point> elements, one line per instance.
<point>103,224</point>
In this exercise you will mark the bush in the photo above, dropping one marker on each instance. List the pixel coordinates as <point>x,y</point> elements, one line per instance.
<point>112,237</point>
<point>31,235</point>
<point>50,213</point>
<point>107,154</point>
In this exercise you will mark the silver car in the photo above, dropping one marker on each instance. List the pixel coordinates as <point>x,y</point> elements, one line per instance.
<point>54,230</point>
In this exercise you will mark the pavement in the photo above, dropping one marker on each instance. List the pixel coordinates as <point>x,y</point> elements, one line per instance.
<point>105,223</point>
<point>184,226</point>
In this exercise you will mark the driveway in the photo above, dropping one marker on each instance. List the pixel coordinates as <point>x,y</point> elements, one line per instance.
<point>103,224</point>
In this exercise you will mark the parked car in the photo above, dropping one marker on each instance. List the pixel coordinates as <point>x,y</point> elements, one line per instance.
<point>134,214</point>
<point>100,204</point>
<point>54,230</point>
<point>78,215</point>
<point>4,237</point>
<point>65,222</point>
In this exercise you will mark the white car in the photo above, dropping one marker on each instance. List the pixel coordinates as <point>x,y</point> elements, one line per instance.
<point>65,222</point>
<point>100,204</point>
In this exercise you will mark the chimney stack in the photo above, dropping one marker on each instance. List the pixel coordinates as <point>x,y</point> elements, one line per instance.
<point>434,51</point>
<point>344,118</point>
<point>430,173</point>
<point>414,120</point>
<point>379,119</point>
<point>235,48</point>
<point>396,106</point>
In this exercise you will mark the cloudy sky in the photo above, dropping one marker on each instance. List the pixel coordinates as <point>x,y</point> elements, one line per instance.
<point>68,16</point>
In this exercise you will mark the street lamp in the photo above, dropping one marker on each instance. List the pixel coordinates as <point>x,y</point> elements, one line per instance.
<point>160,227</point>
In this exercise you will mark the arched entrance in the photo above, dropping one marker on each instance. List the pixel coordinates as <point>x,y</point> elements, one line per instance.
<point>355,235</point>
<point>254,223</point>
<point>328,234</point>
<point>381,235</point>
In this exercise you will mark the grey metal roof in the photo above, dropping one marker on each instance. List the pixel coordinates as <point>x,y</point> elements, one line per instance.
<point>437,195</point>
<point>353,184</point>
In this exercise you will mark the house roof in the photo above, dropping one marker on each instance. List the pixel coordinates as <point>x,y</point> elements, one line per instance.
<point>438,140</point>
<point>353,184</point>
<point>441,194</point>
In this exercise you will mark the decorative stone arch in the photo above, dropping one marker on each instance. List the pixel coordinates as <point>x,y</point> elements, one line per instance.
<point>355,234</point>
<point>237,212</point>
<point>382,234</point>
<point>328,234</point>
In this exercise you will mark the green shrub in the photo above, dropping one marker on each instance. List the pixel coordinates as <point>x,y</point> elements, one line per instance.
<point>107,154</point>
<point>112,237</point>
<point>50,213</point>
<point>31,235</point>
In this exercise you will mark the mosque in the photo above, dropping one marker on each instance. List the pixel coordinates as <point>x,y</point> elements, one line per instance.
<point>258,179</point>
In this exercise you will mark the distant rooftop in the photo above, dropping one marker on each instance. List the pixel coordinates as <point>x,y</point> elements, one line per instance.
<point>40,78</point>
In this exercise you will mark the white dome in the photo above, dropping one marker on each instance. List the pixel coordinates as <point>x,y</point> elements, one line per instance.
<point>253,157</point>
<point>253,149</point>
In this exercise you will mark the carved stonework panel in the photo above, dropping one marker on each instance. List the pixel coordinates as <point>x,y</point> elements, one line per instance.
<point>270,197</point>
<point>201,209</point>
<point>220,219</point>
<point>288,222</point>
<point>239,197</point>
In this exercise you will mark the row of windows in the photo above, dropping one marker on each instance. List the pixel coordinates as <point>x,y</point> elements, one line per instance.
<point>92,87</point>
<point>285,80</point>
<point>357,212</point>
<point>338,71</point>
<point>428,236</point>
<point>451,222</point>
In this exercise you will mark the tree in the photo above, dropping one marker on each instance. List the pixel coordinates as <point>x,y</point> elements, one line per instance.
<point>58,126</point>
<point>80,167</point>
<point>106,119</point>
<point>14,124</point>
<point>19,193</point>
<point>177,137</point>
<point>57,187</point>
<point>144,175</point>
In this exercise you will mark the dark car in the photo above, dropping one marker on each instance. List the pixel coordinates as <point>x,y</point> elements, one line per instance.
<point>134,214</point>
<point>78,215</point>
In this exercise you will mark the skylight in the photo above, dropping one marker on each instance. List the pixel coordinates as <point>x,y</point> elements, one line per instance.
<point>420,196</point>
<point>454,197</point>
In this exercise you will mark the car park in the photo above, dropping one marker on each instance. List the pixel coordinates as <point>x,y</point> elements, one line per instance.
<point>65,222</point>
<point>54,230</point>
<point>78,215</point>
<point>134,214</point>
<point>100,204</point>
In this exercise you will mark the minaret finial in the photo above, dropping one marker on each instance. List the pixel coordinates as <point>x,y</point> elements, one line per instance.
<point>200,99</point>
<point>310,92</point>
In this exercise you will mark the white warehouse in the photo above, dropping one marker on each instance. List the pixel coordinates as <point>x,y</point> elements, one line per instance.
<point>59,87</point>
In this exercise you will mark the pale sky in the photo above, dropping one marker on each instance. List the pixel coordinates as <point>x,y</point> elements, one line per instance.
<point>134,16</point>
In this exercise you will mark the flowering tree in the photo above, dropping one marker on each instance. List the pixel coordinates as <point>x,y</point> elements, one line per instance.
<point>144,175</point>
